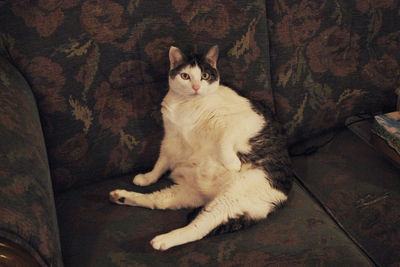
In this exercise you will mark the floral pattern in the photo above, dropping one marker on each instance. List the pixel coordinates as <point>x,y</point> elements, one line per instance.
<point>300,24</point>
<point>81,84</point>
<point>113,109</point>
<point>102,20</point>
<point>45,16</point>
<point>99,73</point>
<point>334,50</point>
<point>209,19</point>
<point>48,81</point>
<point>346,51</point>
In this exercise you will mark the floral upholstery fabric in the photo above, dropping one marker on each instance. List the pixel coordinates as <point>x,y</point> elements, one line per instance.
<point>89,76</point>
<point>331,60</point>
<point>98,70</point>
<point>27,212</point>
<point>300,234</point>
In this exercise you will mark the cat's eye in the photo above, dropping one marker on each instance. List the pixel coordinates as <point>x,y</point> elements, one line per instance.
<point>185,76</point>
<point>205,76</point>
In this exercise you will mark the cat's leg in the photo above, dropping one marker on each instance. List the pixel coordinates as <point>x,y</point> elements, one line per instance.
<point>213,215</point>
<point>228,155</point>
<point>149,178</point>
<point>249,196</point>
<point>174,197</point>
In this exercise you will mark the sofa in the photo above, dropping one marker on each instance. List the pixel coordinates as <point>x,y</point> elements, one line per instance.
<point>81,84</point>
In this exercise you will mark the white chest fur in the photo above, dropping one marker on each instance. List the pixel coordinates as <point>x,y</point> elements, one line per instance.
<point>197,127</point>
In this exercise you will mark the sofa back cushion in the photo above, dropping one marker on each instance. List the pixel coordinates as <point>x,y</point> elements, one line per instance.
<point>98,70</point>
<point>331,60</point>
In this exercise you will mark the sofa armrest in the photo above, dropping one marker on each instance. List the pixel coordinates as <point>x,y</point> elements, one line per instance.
<point>27,209</point>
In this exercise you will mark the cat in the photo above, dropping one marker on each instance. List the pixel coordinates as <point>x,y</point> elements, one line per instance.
<point>226,154</point>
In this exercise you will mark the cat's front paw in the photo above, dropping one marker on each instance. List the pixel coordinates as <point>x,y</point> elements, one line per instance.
<point>232,163</point>
<point>144,179</point>
<point>118,196</point>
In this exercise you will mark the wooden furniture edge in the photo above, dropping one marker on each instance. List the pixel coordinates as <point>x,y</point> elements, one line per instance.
<point>12,254</point>
<point>386,149</point>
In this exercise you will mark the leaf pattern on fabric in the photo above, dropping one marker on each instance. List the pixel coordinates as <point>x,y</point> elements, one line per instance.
<point>99,72</point>
<point>81,113</point>
<point>340,54</point>
<point>87,72</point>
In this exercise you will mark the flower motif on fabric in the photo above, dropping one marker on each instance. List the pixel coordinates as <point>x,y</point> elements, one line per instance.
<point>113,109</point>
<point>47,82</point>
<point>301,23</point>
<point>335,50</point>
<point>45,15</point>
<point>103,20</point>
<point>133,81</point>
<point>367,5</point>
<point>209,19</point>
<point>157,51</point>
<point>383,72</point>
<point>73,150</point>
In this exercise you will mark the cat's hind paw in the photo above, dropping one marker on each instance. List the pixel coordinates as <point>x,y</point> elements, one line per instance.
<point>175,238</point>
<point>117,197</point>
<point>158,243</point>
<point>165,241</point>
<point>123,197</point>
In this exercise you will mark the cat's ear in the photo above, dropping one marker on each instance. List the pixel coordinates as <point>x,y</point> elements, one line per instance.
<point>176,57</point>
<point>212,56</point>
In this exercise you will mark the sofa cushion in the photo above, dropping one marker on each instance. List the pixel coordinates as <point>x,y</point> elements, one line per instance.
<point>331,60</point>
<point>98,70</point>
<point>95,232</point>
<point>360,189</point>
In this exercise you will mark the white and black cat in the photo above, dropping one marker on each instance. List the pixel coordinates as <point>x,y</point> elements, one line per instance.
<point>226,154</point>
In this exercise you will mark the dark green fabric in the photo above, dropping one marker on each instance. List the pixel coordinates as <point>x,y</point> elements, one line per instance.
<point>331,60</point>
<point>96,232</point>
<point>98,70</point>
<point>27,209</point>
<point>361,189</point>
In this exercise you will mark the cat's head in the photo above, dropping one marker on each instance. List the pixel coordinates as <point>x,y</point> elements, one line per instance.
<point>193,75</point>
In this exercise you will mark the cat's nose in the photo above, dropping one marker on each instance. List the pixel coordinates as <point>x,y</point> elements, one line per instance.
<point>195,87</point>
